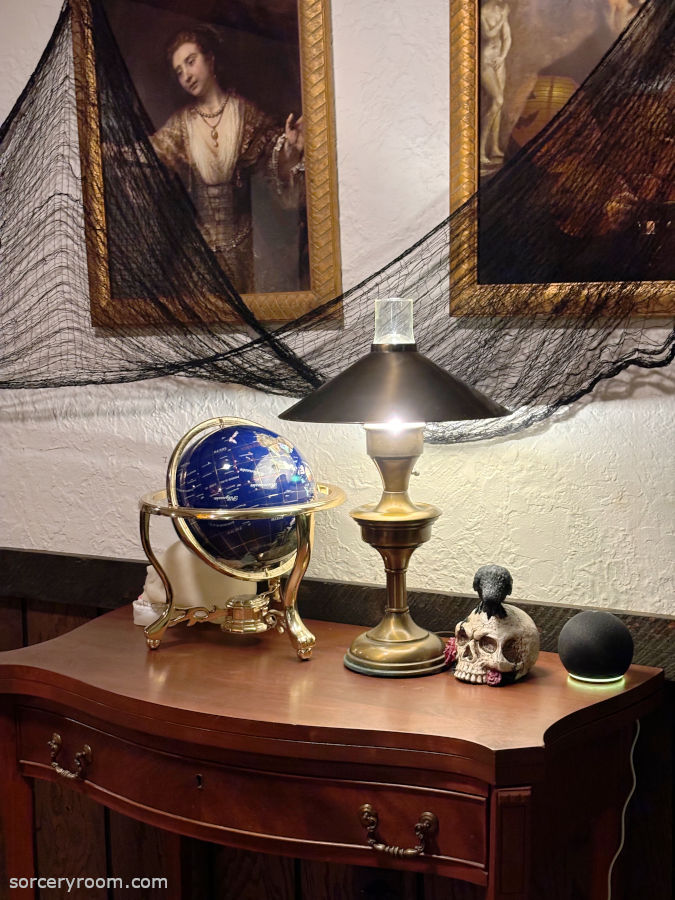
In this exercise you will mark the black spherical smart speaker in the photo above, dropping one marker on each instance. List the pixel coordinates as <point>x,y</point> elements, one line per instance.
<point>595,646</point>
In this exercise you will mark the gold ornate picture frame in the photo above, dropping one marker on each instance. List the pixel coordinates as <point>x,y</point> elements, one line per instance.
<point>320,252</point>
<point>465,167</point>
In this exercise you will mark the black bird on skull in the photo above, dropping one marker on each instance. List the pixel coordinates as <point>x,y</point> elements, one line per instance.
<point>493,584</point>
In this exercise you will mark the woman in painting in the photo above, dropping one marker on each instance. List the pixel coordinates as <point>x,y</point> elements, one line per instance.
<point>215,142</point>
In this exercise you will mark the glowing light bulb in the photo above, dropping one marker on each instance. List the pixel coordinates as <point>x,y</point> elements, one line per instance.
<point>394,425</point>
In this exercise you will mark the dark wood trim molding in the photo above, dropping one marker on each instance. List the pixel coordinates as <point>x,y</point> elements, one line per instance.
<point>94,581</point>
<point>104,583</point>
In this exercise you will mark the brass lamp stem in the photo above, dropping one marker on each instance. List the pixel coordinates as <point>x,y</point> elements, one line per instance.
<point>396,567</point>
<point>395,527</point>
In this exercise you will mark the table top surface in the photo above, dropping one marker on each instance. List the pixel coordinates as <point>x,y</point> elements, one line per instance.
<point>202,678</point>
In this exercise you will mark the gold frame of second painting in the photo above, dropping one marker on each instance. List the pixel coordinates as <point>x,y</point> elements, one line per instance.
<point>464,93</point>
<point>321,189</point>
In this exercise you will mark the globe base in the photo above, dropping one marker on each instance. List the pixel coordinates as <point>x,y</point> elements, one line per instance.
<point>246,615</point>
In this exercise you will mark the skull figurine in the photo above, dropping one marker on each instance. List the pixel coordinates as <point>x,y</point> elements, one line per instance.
<point>498,643</point>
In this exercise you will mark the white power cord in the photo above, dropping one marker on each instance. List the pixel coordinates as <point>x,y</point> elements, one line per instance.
<point>623,811</point>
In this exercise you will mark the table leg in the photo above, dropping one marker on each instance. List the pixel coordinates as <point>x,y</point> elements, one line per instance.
<point>16,810</point>
<point>510,829</point>
<point>577,825</point>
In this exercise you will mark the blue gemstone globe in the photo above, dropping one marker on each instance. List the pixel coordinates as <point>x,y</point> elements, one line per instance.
<point>237,466</point>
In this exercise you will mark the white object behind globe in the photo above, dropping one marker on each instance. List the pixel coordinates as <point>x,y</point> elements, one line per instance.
<point>193,583</point>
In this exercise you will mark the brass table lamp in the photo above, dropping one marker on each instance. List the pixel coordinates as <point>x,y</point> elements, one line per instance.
<point>393,391</point>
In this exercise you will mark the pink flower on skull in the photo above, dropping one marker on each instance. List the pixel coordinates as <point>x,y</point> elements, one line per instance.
<point>450,652</point>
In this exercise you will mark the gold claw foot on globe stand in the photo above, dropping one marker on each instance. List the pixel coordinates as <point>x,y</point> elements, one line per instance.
<point>301,637</point>
<point>155,631</point>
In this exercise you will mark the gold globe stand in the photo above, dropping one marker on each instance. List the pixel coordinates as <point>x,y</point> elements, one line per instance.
<point>272,609</point>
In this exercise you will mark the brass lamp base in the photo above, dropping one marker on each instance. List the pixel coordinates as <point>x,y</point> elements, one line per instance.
<point>397,647</point>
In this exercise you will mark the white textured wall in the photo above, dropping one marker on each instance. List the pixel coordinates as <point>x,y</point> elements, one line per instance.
<point>580,509</point>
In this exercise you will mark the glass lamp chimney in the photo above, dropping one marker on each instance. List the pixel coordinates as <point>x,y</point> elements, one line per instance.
<point>394,321</point>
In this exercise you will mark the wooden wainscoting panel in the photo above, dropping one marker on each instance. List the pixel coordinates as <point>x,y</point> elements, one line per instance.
<point>196,860</point>
<point>448,889</point>
<point>243,875</point>
<point>11,624</point>
<point>67,578</point>
<point>324,881</point>
<point>47,620</point>
<point>137,850</point>
<point>69,839</point>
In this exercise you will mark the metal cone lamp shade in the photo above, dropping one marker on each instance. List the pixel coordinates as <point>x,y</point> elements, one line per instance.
<point>393,391</point>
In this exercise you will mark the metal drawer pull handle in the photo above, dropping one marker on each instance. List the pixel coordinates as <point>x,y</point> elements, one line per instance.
<point>427,826</point>
<point>82,759</point>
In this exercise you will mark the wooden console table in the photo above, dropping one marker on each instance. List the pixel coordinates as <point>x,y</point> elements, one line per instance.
<point>237,742</point>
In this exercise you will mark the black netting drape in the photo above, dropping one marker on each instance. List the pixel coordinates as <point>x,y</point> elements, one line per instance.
<point>588,205</point>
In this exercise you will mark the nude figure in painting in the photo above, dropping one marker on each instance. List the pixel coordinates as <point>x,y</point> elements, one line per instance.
<point>495,43</point>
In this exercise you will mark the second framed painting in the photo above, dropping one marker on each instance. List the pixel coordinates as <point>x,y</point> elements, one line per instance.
<point>236,100</point>
<point>515,64</point>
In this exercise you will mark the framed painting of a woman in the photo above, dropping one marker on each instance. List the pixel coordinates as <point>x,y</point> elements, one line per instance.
<point>235,100</point>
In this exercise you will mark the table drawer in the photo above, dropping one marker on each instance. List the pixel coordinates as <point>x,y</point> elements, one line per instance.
<point>251,802</point>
